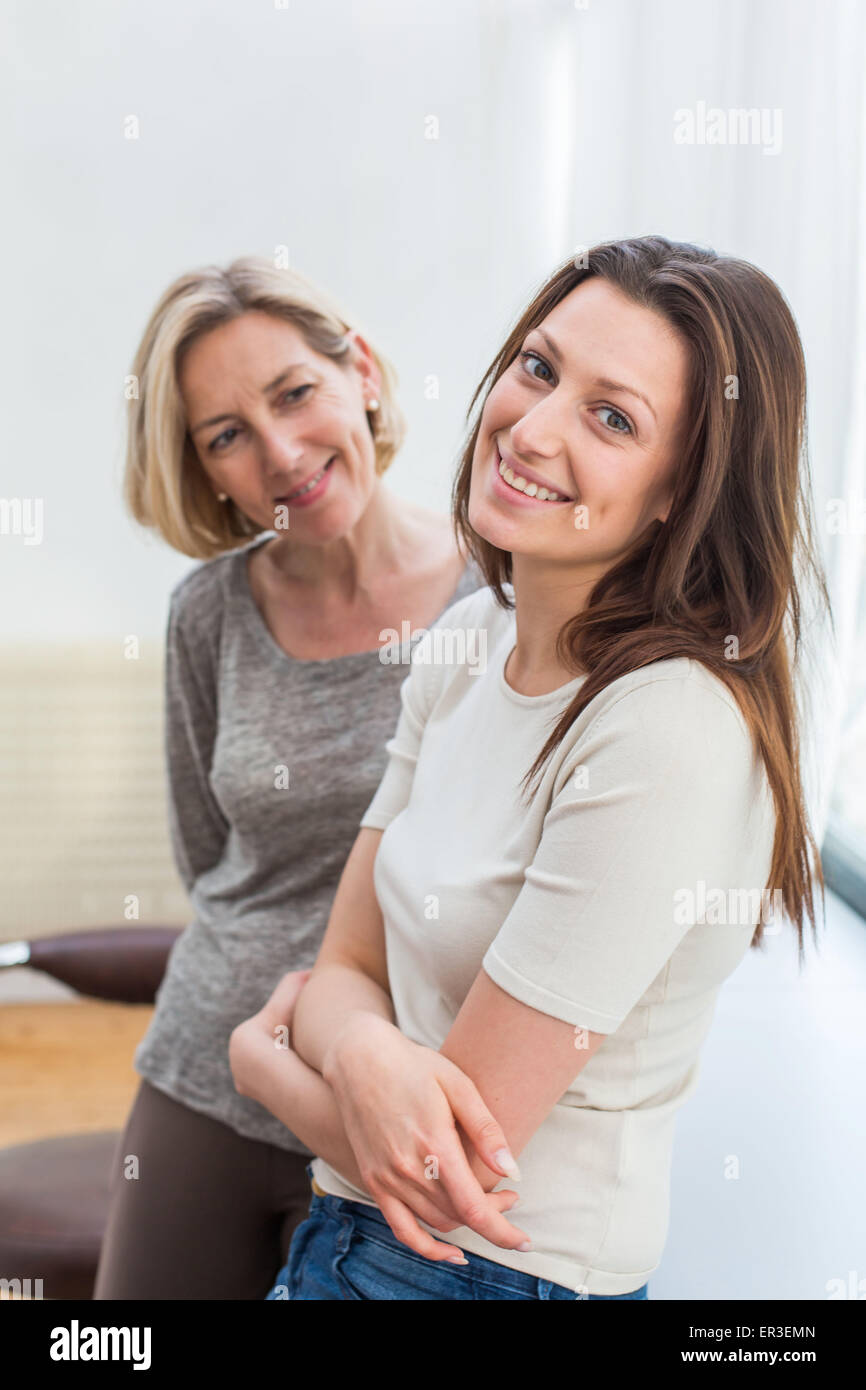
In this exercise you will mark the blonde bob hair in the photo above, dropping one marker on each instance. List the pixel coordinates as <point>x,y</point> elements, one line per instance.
<point>165,485</point>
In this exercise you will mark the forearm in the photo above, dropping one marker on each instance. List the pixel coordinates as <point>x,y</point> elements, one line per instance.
<point>278,1079</point>
<point>344,994</point>
<point>332,995</point>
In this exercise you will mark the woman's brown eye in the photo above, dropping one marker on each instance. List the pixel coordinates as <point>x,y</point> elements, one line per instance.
<point>616,429</point>
<point>530,360</point>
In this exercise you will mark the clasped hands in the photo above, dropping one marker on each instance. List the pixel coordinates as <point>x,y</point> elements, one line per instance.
<point>423,1139</point>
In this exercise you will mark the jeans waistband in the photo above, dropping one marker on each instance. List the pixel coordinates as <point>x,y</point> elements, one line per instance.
<point>360,1211</point>
<point>370,1218</point>
<point>363,1213</point>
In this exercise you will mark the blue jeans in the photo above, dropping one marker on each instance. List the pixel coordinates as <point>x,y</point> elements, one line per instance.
<point>346,1250</point>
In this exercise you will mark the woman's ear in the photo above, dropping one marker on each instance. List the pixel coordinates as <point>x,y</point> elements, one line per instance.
<point>365,364</point>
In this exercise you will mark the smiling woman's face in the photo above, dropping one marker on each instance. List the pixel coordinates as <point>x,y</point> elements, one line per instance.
<point>267,415</point>
<point>567,416</point>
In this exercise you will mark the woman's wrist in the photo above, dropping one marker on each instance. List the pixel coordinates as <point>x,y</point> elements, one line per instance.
<point>335,992</point>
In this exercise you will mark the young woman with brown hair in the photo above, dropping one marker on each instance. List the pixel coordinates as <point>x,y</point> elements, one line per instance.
<point>570,853</point>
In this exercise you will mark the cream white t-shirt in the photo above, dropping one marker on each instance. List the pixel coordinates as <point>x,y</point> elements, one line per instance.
<point>618,900</point>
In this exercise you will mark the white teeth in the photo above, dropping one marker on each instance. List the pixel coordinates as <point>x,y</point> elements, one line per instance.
<point>542,494</point>
<point>310,485</point>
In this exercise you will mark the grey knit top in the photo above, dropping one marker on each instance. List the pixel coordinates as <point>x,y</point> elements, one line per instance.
<point>271,763</point>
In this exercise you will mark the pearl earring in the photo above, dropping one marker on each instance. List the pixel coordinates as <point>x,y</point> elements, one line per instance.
<point>222,496</point>
<point>373,404</point>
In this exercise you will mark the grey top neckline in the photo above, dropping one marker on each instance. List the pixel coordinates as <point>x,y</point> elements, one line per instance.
<point>258,628</point>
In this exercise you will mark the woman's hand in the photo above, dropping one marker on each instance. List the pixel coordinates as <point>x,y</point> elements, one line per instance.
<point>281,1005</point>
<point>399,1103</point>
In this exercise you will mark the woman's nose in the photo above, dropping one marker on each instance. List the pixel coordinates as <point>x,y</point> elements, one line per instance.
<point>535,436</point>
<point>544,428</point>
<point>281,447</point>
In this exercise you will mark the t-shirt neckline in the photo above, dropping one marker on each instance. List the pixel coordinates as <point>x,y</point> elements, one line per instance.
<point>549,697</point>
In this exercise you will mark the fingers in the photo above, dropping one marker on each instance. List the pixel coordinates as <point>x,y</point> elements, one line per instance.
<point>471,1203</point>
<point>292,983</point>
<point>427,1197</point>
<point>280,1005</point>
<point>403,1221</point>
<point>457,1196</point>
<point>405,1227</point>
<point>482,1128</point>
<point>431,1203</point>
<point>504,1200</point>
<point>424,1206</point>
<point>288,988</point>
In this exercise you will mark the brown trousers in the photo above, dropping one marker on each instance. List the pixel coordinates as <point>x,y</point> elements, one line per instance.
<point>211,1214</point>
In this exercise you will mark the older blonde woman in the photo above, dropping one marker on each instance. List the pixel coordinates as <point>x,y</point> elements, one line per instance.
<point>258,439</point>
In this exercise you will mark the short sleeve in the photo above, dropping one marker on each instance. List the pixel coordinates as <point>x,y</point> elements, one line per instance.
<point>656,798</point>
<point>392,794</point>
<point>197,827</point>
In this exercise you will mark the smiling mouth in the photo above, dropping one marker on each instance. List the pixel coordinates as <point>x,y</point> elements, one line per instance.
<point>514,479</point>
<point>307,486</point>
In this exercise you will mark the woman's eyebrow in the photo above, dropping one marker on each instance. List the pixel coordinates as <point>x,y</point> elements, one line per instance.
<point>287,371</point>
<point>551,346</point>
<point>629,390</point>
<point>599,380</point>
<point>277,381</point>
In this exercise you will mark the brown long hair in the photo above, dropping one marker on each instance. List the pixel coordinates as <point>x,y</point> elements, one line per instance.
<point>725,561</point>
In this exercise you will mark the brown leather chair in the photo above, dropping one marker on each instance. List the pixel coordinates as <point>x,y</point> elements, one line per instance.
<point>54,1193</point>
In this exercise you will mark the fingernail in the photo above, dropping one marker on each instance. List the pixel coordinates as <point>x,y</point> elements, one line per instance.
<point>506,1160</point>
<point>514,1204</point>
<point>527,1245</point>
<point>456,1260</point>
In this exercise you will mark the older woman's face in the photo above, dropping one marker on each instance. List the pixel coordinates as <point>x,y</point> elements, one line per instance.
<point>268,415</point>
<point>557,420</point>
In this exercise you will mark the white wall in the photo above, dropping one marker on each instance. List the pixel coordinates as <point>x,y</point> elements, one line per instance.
<point>770,1152</point>
<point>258,127</point>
